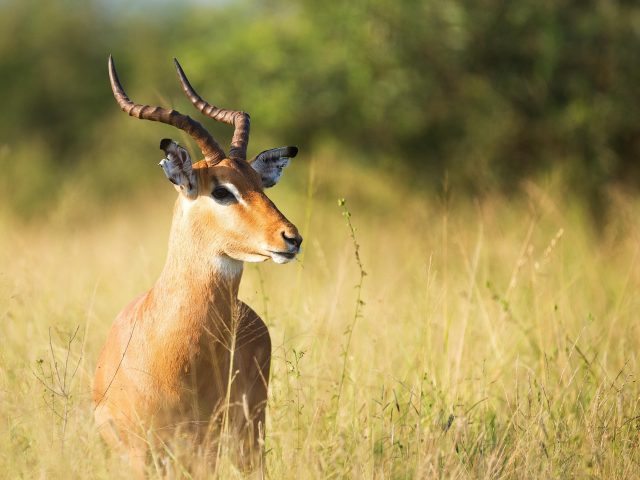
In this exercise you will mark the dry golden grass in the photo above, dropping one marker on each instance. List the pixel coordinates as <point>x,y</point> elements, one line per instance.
<point>497,339</point>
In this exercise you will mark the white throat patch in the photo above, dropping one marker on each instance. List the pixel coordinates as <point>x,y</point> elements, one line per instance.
<point>227,266</point>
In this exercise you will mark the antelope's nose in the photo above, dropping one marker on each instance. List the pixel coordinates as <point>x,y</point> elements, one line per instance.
<point>292,238</point>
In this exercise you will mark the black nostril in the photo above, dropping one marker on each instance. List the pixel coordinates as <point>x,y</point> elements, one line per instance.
<point>294,239</point>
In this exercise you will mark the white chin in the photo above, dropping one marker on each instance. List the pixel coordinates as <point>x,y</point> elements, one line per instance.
<point>250,257</point>
<point>277,258</point>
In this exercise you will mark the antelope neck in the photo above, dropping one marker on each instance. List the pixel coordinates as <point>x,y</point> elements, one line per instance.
<point>197,286</point>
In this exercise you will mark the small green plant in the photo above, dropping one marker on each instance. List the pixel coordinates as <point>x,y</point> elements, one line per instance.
<point>359,302</point>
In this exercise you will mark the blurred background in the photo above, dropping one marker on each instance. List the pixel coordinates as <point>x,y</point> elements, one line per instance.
<point>489,154</point>
<point>478,96</point>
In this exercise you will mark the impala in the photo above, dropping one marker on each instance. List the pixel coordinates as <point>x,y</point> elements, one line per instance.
<point>187,360</point>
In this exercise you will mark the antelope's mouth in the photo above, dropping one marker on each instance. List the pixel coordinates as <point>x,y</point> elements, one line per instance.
<point>282,257</point>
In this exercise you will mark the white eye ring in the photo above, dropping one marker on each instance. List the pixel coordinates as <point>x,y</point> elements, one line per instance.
<point>227,193</point>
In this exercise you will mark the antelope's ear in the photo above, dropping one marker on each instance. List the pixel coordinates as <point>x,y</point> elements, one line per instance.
<point>177,167</point>
<point>269,164</point>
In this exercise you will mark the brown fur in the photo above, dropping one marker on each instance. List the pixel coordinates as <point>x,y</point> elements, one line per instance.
<point>164,370</point>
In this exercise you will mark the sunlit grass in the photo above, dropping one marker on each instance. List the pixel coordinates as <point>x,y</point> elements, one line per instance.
<point>498,338</point>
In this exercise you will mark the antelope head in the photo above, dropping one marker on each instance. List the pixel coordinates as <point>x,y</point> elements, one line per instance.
<point>222,206</point>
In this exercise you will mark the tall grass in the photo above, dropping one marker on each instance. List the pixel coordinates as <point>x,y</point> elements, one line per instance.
<point>497,339</point>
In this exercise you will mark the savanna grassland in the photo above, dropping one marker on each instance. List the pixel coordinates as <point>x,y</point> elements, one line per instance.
<point>495,338</point>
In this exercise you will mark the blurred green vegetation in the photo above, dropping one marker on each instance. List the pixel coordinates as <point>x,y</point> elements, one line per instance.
<point>486,93</point>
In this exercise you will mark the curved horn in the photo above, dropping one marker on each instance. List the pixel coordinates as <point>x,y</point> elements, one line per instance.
<point>209,147</point>
<point>240,120</point>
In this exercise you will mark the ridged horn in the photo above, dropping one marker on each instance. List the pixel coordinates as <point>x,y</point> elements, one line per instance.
<point>209,147</point>
<point>240,120</point>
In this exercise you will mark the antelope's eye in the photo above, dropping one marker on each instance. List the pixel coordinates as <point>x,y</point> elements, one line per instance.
<point>222,193</point>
